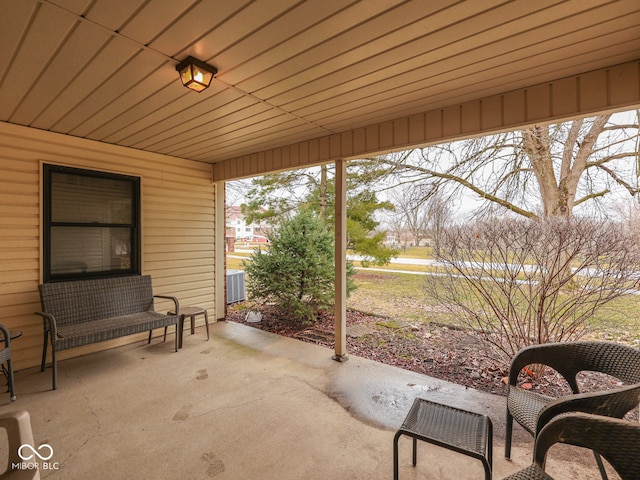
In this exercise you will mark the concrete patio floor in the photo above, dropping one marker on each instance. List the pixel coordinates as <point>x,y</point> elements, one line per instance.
<point>247,404</point>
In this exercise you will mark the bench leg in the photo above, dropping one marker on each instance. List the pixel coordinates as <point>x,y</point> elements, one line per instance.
<point>206,322</point>
<point>8,371</point>
<point>179,328</point>
<point>44,351</point>
<point>164,339</point>
<point>54,365</point>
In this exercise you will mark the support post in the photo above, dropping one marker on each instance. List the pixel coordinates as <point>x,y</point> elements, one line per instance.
<point>341,262</point>
<point>220,291</point>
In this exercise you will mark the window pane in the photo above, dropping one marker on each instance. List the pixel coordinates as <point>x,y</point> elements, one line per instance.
<point>90,249</point>
<point>84,199</point>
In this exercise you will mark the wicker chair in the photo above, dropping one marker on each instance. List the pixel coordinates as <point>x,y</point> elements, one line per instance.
<point>533,411</point>
<point>616,440</point>
<point>5,361</point>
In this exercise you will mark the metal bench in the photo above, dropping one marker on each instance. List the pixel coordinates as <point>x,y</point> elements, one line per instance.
<point>82,312</point>
<point>459,430</point>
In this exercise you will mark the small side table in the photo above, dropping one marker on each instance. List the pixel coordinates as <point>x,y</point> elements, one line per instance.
<point>449,427</point>
<point>189,312</point>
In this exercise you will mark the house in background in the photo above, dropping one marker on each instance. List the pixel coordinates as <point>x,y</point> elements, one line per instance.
<point>92,86</point>
<point>254,232</point>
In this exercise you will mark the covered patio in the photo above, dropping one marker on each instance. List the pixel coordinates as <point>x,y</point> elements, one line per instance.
<point>249,404</point>
<point>92,85</point>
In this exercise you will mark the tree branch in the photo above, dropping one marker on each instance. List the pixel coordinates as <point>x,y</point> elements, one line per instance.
<point>483,194</point>
<point>592,196</point>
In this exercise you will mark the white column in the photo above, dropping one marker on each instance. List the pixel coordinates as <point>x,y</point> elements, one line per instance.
<point>341,262</point>
<point>219,253</point>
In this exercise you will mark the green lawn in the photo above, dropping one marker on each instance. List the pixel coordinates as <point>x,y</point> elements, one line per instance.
<point>235,263</point>
<point>415,252</point>
<point>400,296</point>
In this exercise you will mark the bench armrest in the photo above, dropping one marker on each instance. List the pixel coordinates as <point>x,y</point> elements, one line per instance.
<point>175,302</point>
<point>49,323</point>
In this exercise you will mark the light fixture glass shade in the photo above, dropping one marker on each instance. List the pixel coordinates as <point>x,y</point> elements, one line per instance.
<point>195,75</point>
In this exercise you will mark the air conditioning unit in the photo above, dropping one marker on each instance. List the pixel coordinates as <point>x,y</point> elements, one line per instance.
<point>236,291</point>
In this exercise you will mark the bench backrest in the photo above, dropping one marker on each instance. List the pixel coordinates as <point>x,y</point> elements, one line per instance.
<point>86,300</point>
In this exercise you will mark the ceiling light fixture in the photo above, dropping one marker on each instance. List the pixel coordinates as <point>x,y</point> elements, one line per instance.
<point>195,74</point>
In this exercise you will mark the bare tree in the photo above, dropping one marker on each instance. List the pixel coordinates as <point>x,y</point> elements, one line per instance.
<point>523,282</point>
<point>421,213</point>
<point>440,214</point>
<point>544,171</point>
<point>411,207</point>
<point>396,225</point>
<point>628,211</point>
<point>539,274</point>
<point>235,192</point>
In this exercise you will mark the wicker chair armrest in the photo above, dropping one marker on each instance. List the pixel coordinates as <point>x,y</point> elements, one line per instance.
<point>49,322</point>
<point>176,303</point>
<point>616,440</point>
<point>610,403</point>
<point>549,354</point>
<point>7,337</point>
<point>571,358</point>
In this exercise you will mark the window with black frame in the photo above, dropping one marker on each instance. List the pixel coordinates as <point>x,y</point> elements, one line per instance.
<point>91,224</point>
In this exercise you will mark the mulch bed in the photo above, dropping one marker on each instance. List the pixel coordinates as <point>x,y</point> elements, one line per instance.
<point>431,349</point>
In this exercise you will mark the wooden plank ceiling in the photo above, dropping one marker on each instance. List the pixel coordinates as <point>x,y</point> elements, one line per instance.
<point>288,70</point>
